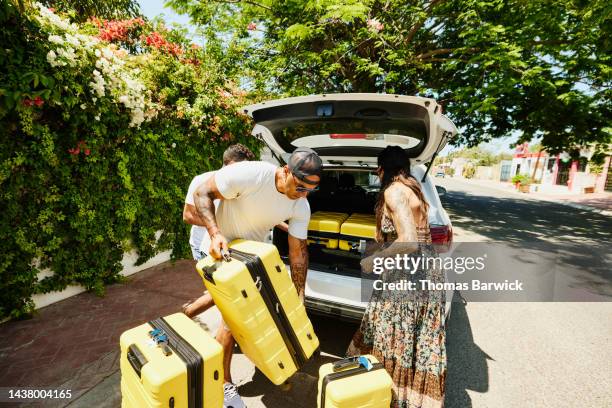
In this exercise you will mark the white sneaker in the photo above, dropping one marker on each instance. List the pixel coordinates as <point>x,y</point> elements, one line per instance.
<point>231,398</point>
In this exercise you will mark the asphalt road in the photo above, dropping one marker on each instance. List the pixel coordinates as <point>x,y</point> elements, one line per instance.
<point>549,354</point>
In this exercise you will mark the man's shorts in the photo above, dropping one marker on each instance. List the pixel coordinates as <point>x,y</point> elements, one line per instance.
<point>197,253</point>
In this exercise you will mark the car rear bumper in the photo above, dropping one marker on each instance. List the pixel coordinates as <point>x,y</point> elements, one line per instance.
<point>338,310</point>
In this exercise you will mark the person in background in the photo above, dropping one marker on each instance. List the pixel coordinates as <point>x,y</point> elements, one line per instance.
<point>254,197</point>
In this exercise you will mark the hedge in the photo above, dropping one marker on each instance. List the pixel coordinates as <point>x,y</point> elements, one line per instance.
<point>104,125</point>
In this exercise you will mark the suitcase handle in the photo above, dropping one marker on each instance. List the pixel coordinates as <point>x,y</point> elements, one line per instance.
<point>136,358</point>
<point>350,362</point>
<point>208,273</point>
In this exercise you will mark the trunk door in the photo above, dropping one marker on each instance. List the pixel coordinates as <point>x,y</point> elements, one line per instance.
<point>351,129</point>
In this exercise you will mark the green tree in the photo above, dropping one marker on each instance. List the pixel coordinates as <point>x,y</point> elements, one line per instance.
<point>539,67</point>
<point>81,10</point>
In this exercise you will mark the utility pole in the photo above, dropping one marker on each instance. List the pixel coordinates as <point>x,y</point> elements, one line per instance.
<point>535,168</point>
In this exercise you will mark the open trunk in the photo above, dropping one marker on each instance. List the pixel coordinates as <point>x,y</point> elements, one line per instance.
<point>346,191</point>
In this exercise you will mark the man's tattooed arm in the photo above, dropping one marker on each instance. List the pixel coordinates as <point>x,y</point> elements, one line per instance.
<point>204,197</point>
<point>298,259</point>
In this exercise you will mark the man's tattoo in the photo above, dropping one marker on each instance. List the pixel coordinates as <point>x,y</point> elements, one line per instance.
<point>205,207</point>
<point>299,269</point>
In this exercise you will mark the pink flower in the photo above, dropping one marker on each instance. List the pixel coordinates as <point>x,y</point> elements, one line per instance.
<point>38,101</point>
<point>375,25</point>
<point>87,151</point>
<point>27,102</point>
<point>252,26</point>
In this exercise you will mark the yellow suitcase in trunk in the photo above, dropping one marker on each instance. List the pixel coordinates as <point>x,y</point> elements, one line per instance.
<point>260,304</point>
<point>186,371</point>
<point>349,384</point>
<point>324,228</point>
<point>358,228</point>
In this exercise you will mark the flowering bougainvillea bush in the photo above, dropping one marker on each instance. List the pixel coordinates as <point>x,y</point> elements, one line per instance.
<point>103,126</point>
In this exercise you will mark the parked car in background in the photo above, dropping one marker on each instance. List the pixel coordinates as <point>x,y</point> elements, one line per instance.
<point>348,131</point>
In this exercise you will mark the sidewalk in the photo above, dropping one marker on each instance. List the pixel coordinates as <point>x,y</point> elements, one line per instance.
<point>74,344</point>
<point>596,202</point>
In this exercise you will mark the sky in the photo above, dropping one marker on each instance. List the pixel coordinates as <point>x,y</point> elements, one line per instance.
<point>154,8</point>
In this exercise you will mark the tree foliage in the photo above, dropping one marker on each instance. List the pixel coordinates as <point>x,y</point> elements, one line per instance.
<point>81,10</point>
<point>539,67</point>
<point>478,155</point>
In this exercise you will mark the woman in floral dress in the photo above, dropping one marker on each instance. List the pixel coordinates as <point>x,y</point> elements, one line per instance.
<point>405,330</point>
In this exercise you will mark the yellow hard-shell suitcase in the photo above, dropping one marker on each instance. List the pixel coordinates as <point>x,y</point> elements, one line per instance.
<point>349,384</point>
<point>357,228</point>
<point>260,304</point>
<point>324,228</point>
<point>170,362</point>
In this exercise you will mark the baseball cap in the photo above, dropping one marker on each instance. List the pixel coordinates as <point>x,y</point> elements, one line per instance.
<point>304,162</point>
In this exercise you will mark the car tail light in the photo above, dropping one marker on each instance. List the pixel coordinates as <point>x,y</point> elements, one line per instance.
<point>441,235</point>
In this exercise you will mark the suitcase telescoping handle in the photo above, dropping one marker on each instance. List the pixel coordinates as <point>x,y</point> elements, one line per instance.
<point>136,358</point>
<point>226,256</point>
<point>208,270</point>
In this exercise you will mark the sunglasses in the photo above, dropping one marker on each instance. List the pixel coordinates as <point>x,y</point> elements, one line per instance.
<point>301,189</point>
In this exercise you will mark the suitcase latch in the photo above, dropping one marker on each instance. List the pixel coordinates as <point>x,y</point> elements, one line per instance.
<point>258,283</point>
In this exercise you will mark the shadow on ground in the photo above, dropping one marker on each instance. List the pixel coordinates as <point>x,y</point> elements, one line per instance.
<point>467,363</point>
<point>334,337</point>
<point>578,239</point>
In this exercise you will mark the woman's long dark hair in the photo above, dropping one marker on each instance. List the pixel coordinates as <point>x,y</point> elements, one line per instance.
<point>395,163</point>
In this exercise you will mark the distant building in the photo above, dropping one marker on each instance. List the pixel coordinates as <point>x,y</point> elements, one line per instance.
<point>560,170</point>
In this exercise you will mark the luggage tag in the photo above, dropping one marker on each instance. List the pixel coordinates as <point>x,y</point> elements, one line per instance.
<point>155,332</point>
<point>160,339</point>
<point>365,362</point>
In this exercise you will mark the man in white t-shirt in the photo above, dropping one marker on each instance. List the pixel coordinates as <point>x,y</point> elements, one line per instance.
<point>233,154</point>
<point>254,197</point>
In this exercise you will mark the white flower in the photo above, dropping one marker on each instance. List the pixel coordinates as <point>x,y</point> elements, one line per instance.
<point>83,106</point>
<point>108,53</point>
<point>173,145</point>
<point>72,40</point>
<point>137,117</point>
<point>124,99</point>
<point>94,99</point>
<point>51,57</point>
<point>47,17</point>
<point>97,53</point>
<point>56,39</point>
<point>97,117</point>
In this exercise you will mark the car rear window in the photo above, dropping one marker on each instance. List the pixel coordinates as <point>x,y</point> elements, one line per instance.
<point>352,132</point>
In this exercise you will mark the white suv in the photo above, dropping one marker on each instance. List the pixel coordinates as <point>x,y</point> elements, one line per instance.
<point>348,131</point>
